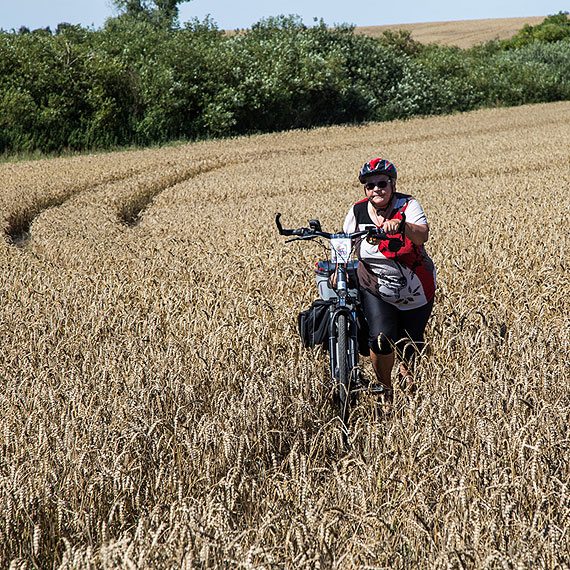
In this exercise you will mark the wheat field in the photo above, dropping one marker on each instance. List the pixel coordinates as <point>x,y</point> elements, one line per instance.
<point>159,412</point>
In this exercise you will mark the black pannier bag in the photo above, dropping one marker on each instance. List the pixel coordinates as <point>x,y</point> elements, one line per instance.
<point>314,324</point>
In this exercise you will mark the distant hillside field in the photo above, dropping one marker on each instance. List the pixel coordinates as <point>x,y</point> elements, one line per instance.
<point>462,33</point>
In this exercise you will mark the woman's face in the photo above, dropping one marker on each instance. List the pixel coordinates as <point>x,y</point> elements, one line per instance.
<point>379,190</point>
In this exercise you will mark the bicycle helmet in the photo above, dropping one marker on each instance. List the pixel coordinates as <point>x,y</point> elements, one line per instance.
<point>377,166</point>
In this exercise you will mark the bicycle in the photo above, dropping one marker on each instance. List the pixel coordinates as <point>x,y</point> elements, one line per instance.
<point>347,378</point>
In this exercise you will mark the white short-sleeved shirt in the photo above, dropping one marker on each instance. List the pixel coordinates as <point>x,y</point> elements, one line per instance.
<point>406,278</point>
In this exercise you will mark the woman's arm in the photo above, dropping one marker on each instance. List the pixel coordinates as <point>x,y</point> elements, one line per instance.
<point>416,233</point>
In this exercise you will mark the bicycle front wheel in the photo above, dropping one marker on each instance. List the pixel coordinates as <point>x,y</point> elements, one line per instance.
<point>343,372</point>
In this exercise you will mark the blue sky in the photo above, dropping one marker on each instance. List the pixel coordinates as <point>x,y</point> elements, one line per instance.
<point>232,14</point>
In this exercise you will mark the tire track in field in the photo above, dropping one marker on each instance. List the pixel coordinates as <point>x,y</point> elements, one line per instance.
<point>131,211</point>
<point>22,211</point>
<point>17,223</point>
<point>128,200</point>
<point>398,135</point>
<point>77,229</point>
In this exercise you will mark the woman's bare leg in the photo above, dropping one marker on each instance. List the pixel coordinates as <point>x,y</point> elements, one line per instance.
<point>383,364</point>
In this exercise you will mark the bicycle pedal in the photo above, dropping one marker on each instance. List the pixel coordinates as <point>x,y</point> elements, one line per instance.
<point>359,385</point>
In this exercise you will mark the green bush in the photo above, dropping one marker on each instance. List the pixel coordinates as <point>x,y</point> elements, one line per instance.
<point>282,74</point>
<point>402,40</point>
<point>552,29</point>
<point>487,76</point>
<point>541,72</point>
<point>60,93</point>
<point>136,82</point>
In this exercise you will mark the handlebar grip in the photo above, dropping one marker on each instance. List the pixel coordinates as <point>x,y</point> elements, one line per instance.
<point>283,231</point>
<point>303,232</point>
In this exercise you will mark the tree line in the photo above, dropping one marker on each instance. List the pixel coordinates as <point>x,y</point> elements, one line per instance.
<point>143,79</point>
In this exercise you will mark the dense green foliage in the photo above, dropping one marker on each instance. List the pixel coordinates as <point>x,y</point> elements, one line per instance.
<point>141,81</point>
<point>551,29</point>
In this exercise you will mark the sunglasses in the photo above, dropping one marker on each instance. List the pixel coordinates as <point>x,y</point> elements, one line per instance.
<point>381,184</point>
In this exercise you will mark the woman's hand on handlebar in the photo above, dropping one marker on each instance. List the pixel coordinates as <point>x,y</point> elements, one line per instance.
<point>392,227</point>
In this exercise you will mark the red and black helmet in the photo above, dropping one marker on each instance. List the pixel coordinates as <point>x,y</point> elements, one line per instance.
<point>377,166</point>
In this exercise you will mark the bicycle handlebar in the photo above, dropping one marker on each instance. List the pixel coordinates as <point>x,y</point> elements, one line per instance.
<point>315,231</point>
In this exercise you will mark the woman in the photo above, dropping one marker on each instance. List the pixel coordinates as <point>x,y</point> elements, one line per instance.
<point>396,287</point>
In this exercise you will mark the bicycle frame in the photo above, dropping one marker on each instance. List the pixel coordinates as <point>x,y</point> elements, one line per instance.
<point>344,304</point>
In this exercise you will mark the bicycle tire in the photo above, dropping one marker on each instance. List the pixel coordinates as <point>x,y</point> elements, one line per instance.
<point>343,380</point>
